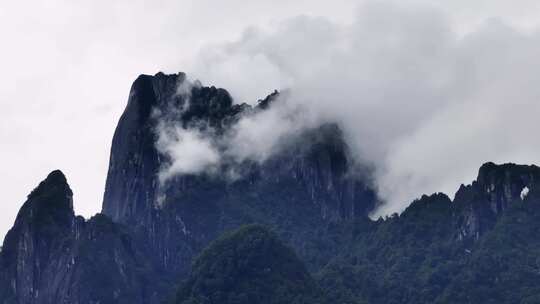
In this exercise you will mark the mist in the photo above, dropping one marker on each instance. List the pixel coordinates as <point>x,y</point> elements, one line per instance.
<point>419,100</point>
<point>198,148</point>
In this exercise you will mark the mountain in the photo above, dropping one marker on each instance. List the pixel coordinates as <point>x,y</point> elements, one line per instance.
<point>154,236</point>
<point>482,247</point>
<point>300,191</point>
<point>248,265</point>
<point>52,256</point>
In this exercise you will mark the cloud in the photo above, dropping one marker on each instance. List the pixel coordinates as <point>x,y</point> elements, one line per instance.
<point>419,100</point>
<point>260,135</point>
<point>189,150</point>
<point>186,150</point>
<point>196,148</point>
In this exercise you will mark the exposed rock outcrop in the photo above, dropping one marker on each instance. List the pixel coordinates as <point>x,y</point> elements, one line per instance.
<point>496,188</point>
<point>51,256</point>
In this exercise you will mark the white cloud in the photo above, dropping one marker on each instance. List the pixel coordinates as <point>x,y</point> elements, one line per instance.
<point>524,193</point>
<point>189,150</point>
<point>258,136</point>
<point>422,102</point>
<point>255,137</point>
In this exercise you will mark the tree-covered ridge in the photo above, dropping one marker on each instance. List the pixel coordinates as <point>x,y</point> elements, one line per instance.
<point>483,247</point>
<point>419,256</point>
<point>249,265</point>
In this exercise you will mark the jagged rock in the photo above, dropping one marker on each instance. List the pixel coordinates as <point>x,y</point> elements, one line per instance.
<point>51,256</point>
<point>496,188</point>
<point>43,223</point>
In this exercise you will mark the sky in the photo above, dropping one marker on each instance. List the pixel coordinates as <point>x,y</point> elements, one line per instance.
<point>425,90</point>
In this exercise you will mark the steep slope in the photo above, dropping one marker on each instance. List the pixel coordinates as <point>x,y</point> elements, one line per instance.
<point>52,256</point>
<point>249,265</point>
<point>43,227</point>
<point>496,188</point>
<point>131,188</point>
<point>300,191</point>
<point>504,265</point>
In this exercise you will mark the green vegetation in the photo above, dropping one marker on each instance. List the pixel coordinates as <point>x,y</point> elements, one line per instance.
<point>418,258</point>
<point>249,265</point>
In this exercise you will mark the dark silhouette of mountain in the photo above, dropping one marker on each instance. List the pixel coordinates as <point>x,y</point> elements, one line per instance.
<point>52,256</point>
<point>481,247</point>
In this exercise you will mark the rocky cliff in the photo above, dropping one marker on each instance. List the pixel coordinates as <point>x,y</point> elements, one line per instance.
<point>496,188</point>
<point>52,256</point>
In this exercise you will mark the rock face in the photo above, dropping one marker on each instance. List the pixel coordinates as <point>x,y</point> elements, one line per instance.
<point>496,188</point>
<point>51,256</point>
<point>299,191</point>
<point>30,247</point>
<point>131,189</point>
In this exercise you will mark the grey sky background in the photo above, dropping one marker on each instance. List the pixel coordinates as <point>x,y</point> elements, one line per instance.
<point>67,67</point>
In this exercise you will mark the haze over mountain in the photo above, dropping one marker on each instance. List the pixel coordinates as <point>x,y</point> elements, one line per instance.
<point>79,58</point>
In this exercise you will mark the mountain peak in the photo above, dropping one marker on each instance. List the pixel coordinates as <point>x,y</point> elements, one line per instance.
<point>51,200</point>
<point>55,184</point>
<point>491,172</point>
<point>266,102</point>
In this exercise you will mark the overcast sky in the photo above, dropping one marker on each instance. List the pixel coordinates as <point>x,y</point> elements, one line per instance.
<point>66,69</point>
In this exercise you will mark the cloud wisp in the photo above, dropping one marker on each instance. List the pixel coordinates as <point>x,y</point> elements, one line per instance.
<point>254,136</point>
